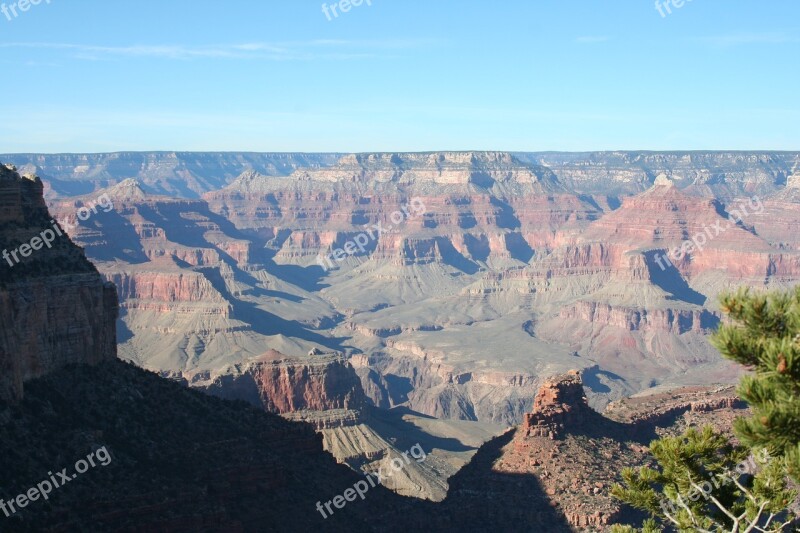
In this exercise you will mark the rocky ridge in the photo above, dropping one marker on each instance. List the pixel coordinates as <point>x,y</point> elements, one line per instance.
<point>184,174</point>
<point>55,307</point>
<point>577,453</point>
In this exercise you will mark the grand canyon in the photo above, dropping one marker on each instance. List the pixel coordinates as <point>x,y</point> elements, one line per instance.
<point>531,320</point>
<point>373,266</point>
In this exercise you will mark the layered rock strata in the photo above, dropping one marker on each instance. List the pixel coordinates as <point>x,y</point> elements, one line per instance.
<point>519,267</point>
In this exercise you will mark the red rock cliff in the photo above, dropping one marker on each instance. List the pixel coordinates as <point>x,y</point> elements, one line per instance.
<point>284,385</point>
<point>560,401</point>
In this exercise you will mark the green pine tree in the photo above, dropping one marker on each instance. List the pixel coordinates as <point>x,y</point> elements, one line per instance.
<point>765,337</point>
<point>704,483</point>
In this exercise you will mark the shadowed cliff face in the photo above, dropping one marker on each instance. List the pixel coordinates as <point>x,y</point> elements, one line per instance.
<point>54,306</point>
<point>181,461</point>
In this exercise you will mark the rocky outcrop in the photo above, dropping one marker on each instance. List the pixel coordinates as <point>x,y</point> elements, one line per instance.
<point>55,308</point>
<point>676,321</point>
<point>168,292</point>
<point>559,403</point>
<point>577,454</point>
<point>326,382</point>
<point>692,402</point>
<point>284,385</point>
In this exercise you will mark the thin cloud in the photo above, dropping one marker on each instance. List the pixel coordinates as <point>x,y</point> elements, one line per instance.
<point>592,39</point>
<point>742,39</point>
<point>297,50</point>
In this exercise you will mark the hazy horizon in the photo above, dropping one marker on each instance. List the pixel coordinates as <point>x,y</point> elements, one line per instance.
<point>367,152</point>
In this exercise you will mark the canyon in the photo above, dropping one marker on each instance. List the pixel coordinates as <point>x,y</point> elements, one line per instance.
<point>447,327</point>
<point>521,266</point>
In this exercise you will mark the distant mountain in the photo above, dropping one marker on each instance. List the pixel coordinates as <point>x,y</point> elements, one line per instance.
<point>183,174</point>
<point>722,174</point>
<point>190,174</point>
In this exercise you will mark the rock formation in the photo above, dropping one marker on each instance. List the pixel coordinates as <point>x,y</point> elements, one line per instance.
<point>560,403</point>
<point>577,453</point>
<point>55,308</point>
<point>283,385</point>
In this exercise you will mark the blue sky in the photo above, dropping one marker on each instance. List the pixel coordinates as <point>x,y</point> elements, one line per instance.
<point>399,75</point>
